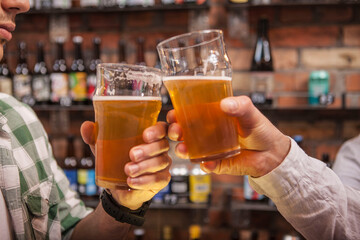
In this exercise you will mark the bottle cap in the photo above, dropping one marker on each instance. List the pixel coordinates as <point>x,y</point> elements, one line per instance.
<point>319,75</point>
<point>139,232</point>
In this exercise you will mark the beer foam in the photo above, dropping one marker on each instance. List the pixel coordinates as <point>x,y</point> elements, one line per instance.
<point>221,78</point>
<point>126,98</point>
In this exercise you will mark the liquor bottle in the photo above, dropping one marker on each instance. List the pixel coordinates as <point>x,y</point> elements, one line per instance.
<point>199,185</point>
<point>179,184</point>
<point>6,85</point>
<point>235,234</point>
<point>167,233</point>
<point>91,76</point>
<point>59,77</point>
<point>194,232</point>
<point>254,235</point>
<point>61,4</point>
<point>22,78</point>
<point>70,164</point>
<point>318,87</point>
<point>140,60</point>
<point>165,97</point>
<point>122,51</point>
<point>108,3</point>
<point>43,4</point>
<point>41,79</point>
<point>139,233</point>
<point>77,75</point>
<point>86,174</point>
<point>262,67</point>
<point>89,3</point>
<point>325,157</point>
<point>75,3</point>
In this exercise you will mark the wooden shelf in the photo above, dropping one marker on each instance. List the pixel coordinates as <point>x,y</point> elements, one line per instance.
<point>253,207</point>
<point>277,3</point>
<point>173,7</point>
<point>94,201</point>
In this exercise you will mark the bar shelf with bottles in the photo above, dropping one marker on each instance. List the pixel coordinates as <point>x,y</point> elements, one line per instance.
<point>233,4</point>
<point>68,7</point>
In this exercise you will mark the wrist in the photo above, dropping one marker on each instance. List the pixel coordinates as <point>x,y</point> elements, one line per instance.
<point>121,213</point>
<point>129,204</point>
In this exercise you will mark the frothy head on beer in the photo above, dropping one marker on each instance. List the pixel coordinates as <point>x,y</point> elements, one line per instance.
<point>127,80</point>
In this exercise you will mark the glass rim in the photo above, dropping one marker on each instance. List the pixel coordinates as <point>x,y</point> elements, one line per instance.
<point>114,66</point>
<point>215,38</point>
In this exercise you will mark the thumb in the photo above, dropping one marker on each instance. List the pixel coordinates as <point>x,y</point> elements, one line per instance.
<point>248,116</point>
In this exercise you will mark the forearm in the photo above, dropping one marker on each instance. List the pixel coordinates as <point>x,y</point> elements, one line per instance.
<point>99,225</point>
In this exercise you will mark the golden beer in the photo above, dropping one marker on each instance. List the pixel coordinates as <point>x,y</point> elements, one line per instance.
<point>120,122</point>
<point>208,132</point>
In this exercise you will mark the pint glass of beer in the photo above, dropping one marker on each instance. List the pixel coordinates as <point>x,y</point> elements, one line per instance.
<point>197,74</point>
<point>126,101</point>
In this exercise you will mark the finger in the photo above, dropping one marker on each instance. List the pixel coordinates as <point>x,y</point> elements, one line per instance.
<point>87,131</point>
<point>155,181</point>
<point>144,151</point>
<point>181,151</point>
<point>175,132</point>
<point>152,165</point>
<point>170,117</point>
<point>155,133</point>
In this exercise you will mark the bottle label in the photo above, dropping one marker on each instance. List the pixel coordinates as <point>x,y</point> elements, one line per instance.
<point>91,85</point>
<point>82,176</point>
<point>59,86</point>
<point>179,184</point>
<point>65,4</point>
<point>71,174</point>
<point>77,86</point>
<point>41,87</point>
<point>91,188</point>
<point>22,86</point>
<point>199,188</point>
<point>6,85</point>
<point>89,3</point>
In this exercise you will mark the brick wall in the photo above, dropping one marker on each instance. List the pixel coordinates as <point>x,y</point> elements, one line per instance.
<point>303,38</point>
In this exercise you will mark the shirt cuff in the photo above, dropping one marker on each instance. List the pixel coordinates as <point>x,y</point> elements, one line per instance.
<point>284,178</point>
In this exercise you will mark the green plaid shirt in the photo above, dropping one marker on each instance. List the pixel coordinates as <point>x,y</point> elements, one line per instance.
<point>36,191</point>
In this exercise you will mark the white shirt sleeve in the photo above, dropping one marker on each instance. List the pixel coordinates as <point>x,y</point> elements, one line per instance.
<point>311,197</point>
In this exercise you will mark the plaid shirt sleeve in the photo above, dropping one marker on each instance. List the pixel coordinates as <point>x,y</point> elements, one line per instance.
<point>37,192</point>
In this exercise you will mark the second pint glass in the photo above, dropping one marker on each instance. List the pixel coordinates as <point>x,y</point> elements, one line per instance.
<point>126,101</point>
<point>198,76</point>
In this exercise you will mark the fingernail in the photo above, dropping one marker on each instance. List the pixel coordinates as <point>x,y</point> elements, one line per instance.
<point>134,181</point>
<point>173,136</point>
<point>150,135</point>
<point>230,105</point>
<point>138,153</point>
<point>134,168</point>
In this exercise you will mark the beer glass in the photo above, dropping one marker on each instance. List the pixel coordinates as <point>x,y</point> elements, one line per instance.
<point>126,101</point>
<point>197,74</point>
